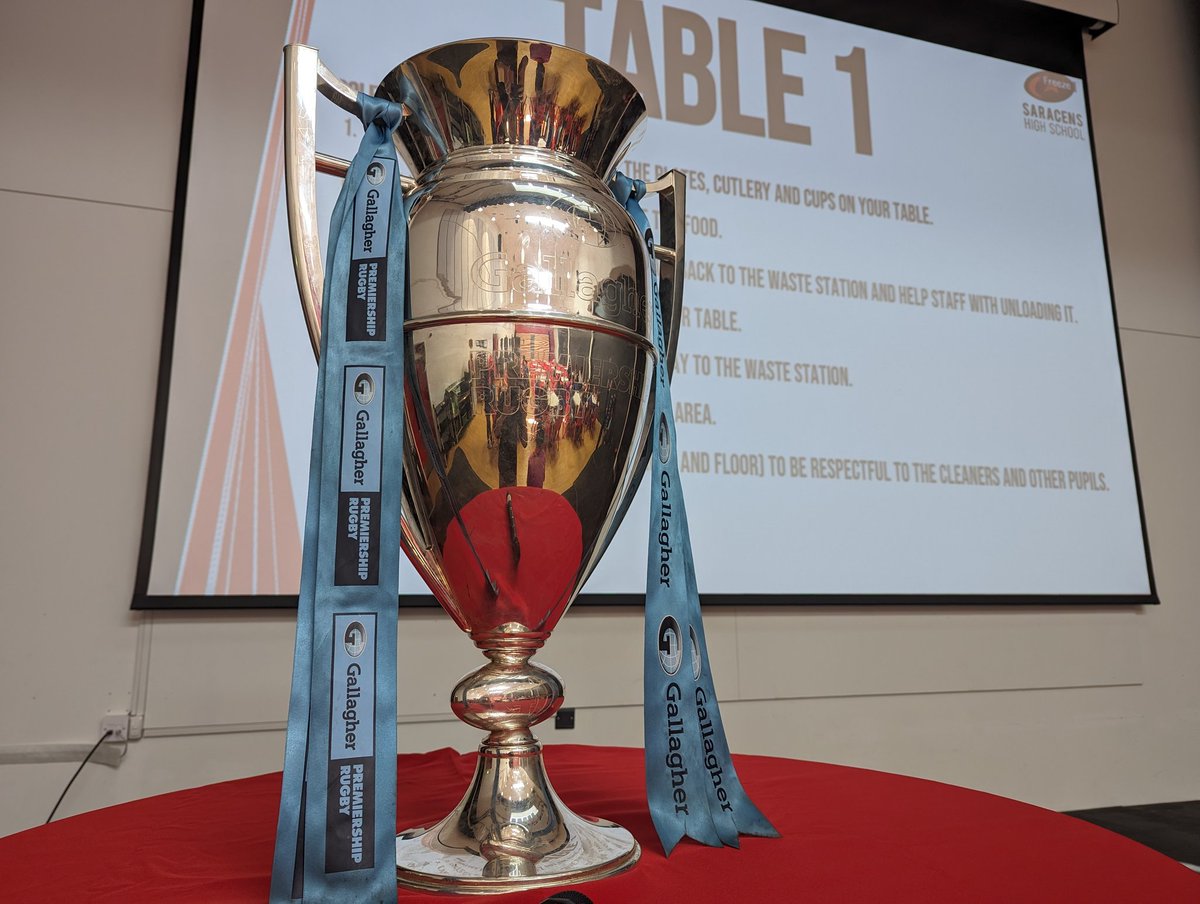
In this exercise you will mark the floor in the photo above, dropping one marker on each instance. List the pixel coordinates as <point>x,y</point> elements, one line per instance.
<point>1172,829</point>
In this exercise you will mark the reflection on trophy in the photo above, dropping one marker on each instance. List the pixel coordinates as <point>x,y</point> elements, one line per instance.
<point>529,363</point>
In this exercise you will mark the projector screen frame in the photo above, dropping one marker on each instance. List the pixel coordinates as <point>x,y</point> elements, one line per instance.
<point>1012,30</point>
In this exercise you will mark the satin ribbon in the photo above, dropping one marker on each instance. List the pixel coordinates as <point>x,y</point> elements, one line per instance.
<point>337,814</point>
<point>691,784</point>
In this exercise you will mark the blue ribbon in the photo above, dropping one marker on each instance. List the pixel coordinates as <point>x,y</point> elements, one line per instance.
<point>691,784</point>
<point>337,814</point>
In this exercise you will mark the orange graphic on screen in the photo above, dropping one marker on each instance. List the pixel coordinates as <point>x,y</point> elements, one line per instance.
<point>244,534</point>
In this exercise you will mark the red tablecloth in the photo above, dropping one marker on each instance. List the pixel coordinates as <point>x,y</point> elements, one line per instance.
<point>848,835</point>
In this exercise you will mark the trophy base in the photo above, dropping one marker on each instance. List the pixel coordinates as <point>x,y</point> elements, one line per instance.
<point>510,833</point>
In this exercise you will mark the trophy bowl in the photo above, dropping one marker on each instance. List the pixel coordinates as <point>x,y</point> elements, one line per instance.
<point>529,363</point>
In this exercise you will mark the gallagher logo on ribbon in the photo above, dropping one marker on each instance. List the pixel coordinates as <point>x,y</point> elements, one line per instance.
<point>670,650</point>
<point>364,389</point>
<point>350,788</point>
<point>366,291</point>
<point>355,639</point>
<point>357,549</point>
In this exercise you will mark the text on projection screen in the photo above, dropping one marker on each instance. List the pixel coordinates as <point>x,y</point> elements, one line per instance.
<point>897,367</point>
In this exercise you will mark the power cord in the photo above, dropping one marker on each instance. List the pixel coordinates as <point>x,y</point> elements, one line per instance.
<point>95,747</point>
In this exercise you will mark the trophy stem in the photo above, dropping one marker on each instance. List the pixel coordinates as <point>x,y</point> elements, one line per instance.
<point>510,831</point>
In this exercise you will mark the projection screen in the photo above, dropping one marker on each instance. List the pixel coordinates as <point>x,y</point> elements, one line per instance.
<point>898,379</point>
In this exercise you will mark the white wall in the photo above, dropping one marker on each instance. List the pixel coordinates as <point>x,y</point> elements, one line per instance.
<point>1065,708</point>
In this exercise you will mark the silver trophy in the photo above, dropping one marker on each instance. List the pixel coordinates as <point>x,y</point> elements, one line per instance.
<point>529,397</point>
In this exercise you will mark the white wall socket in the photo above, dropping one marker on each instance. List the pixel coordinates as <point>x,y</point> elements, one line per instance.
<point>118,724</point>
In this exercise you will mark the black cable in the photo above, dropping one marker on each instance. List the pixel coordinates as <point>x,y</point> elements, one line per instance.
<point>95,747</point>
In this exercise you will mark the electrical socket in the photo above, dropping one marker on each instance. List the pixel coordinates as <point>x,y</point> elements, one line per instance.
<point>118,724</point>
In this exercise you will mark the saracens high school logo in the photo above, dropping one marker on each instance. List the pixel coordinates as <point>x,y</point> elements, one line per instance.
<point>1050,116</point>
<point>1049,87</point>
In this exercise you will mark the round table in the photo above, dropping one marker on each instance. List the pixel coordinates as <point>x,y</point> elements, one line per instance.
<point>848,835</point>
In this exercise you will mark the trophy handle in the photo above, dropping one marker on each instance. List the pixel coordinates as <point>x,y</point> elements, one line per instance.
<point>303,76</point>
<point>671,189</point>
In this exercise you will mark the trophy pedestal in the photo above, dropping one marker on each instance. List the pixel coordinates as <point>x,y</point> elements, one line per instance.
<point>510,831</point>
<point>488,844</point>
